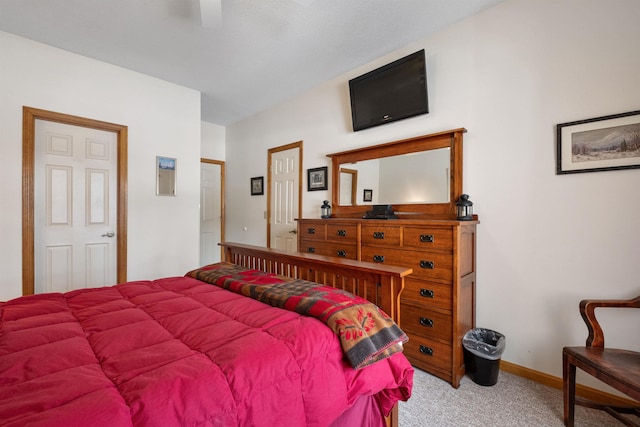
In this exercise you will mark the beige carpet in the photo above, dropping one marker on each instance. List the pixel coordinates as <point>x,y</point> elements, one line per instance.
<point>512,402</point>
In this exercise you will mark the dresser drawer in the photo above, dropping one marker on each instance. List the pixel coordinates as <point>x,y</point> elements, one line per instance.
<point>427,294</point>
<point>427,354</point>
<point>426,265</point>
<point>425,323</point>
<point>328,249</point>
<point>380,235</point>
<point>312,230</point>
<point>342,233</point>
<point>428,238</point>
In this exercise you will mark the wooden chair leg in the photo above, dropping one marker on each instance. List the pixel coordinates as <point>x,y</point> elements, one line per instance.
<point>568,390</point>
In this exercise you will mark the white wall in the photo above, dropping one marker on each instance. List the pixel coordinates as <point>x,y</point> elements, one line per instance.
<point>369,177</point>
<point>162,119</point>
<point>213,141</point>
<point>416,178</point>
<point>508,75</point>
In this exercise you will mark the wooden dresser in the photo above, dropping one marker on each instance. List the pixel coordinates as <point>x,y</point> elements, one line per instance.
<point>437,305</point>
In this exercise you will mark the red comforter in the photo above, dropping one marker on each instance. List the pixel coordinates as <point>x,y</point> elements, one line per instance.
<point>177,352</point>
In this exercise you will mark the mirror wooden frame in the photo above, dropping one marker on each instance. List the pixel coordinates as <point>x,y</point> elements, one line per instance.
<point>451,139</point>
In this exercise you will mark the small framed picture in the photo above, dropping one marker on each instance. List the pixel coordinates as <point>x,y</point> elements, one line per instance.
<point>599,144</point>
<point>317,179</point>
<point>367,195</point>
<point>257,186</point>
<point>165,176</point>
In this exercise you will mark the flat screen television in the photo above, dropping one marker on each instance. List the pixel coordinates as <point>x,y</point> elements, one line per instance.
<point>392,92</point>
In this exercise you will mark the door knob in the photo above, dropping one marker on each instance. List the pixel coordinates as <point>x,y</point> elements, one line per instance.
<point>294,231</point>
<point>109,234</point>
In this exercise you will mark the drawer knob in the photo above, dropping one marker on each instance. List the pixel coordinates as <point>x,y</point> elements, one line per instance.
<point>426,322</point>
<point>378,234</point>
<point>311,230</point>
<point>342,253</point>
<point>311,249</point>
<point>426,350</point>
<point>426,264</point>
<point>342,233</point>
<point>426,238</point>
<point>427,293</point>
<point>378,258</point>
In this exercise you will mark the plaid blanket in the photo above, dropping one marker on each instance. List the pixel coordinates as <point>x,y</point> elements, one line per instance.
<point>366,333</point>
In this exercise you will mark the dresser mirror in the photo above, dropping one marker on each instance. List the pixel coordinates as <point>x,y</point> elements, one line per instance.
<point>420,177</point>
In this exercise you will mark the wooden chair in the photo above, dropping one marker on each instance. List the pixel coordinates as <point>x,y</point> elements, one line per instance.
<point>618,368</point>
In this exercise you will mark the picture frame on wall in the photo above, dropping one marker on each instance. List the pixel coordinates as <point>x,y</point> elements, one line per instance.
<point>367,195</point>
<point>166,176</point>
<point>599,144</point>
<point>317,179</point>
<point>257,186</point>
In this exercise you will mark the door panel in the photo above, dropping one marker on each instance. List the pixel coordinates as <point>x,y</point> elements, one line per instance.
<point>284,199</point>
<point>211,212</point>
<point>75,207</point>
<point>58,272</point>
<point>58,195</point>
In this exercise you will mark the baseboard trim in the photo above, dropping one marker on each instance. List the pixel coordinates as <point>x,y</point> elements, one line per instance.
<point>555,382</point>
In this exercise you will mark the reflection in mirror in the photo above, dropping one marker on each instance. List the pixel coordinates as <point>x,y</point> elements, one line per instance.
<point>166,176</point>
<point>420,177</point>
<point>348,186</point>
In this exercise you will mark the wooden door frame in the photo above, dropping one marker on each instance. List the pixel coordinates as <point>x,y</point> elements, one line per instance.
<point>222,183</point>
<point>354,184</point>
<point>270,153</point>
<point>29,117</point>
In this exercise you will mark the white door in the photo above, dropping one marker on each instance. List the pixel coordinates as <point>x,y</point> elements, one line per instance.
<point>210,212</point>
<point>284,199</point>
<point>75,207</point>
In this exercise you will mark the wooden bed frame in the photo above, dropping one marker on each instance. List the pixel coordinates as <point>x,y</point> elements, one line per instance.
<point>380,284</point>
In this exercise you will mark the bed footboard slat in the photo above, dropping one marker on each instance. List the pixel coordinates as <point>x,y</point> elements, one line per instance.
<point>380,284</point>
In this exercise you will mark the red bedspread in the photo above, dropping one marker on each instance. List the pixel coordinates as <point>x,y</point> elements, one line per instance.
<point>366,333</point>
<point>176,352</point>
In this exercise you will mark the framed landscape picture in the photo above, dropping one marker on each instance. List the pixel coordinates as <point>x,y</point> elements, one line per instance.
<point>599,144</point>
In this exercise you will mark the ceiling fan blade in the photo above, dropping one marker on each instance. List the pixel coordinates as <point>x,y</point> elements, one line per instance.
<point>210,13</point>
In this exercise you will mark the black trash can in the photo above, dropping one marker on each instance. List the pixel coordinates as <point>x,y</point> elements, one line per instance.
<point>482,351</point>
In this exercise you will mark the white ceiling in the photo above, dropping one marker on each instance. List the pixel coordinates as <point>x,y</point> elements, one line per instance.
<point>260,53</point>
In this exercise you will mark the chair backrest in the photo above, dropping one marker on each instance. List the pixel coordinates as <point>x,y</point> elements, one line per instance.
<point>587,311</point>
